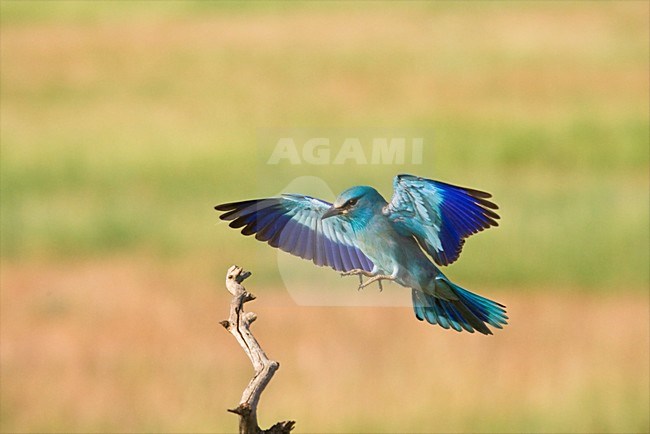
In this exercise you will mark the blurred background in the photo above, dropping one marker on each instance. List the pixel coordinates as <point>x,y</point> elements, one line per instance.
<point>124,123</point>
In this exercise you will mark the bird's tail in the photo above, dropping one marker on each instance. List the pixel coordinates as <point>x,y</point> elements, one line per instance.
<point>461,309</point>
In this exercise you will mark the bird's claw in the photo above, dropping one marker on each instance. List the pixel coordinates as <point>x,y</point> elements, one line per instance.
<point>357,272</point>
<point>373,278</point>
<point>362,285</point>
<point>378,279</point>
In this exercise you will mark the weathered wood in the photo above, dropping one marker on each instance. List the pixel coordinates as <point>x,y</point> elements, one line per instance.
<point>238,324</point>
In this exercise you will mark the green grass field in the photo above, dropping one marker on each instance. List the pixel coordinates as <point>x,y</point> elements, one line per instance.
<point>123,123</point>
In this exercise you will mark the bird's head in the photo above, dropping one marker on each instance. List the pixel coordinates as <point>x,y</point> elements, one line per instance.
<point>354,202</point>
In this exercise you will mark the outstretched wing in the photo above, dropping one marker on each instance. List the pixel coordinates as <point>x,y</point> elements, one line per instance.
<point>440,216</point>
<point>293,223</point>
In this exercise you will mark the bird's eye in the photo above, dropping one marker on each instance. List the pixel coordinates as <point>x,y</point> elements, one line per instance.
<point>352,202</point>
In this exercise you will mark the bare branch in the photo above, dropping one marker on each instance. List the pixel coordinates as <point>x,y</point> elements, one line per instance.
<point>238,324</point>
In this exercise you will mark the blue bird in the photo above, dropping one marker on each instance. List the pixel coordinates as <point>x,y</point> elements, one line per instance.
<point>362,234</point>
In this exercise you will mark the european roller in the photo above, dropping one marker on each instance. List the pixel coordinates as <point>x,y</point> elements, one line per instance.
<point>425,223</point>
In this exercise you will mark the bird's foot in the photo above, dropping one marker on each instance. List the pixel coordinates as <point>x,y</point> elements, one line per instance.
<point>360,283</point>
<point>377,278</point>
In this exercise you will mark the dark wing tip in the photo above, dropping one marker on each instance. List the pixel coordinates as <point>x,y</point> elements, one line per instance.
<point>224,207</point>
<point>478,194</point>
<point>230,206</point>
<point>486,203</point>
<point>490,215</point>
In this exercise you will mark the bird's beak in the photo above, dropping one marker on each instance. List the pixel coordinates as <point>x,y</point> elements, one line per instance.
<point>331,212</point>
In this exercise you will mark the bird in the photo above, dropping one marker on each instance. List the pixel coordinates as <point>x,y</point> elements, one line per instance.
<point>405,240</point>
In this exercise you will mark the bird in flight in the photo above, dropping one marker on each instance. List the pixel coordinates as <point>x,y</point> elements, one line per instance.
<point>362,234</point>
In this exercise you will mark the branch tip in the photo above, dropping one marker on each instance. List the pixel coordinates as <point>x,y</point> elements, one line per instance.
<point>238,274</point>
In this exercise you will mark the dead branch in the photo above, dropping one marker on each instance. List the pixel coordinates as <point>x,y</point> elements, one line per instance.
<point>238,324</point>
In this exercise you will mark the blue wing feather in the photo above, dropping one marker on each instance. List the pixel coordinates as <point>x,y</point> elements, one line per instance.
<point>439,215</point>
<point>293,223</point>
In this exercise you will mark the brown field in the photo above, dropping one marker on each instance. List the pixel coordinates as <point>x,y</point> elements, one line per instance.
<point>133,346</point>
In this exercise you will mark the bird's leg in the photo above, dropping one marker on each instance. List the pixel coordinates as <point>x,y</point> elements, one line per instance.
<point>379,278</point>
<point>374,278</point>
<point>357,272</point>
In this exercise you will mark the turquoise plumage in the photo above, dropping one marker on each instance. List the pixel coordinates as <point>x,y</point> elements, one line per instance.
<point>361,233</point>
